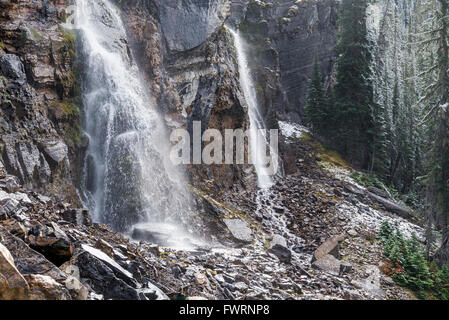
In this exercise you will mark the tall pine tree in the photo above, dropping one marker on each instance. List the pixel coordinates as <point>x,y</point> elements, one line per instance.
<point>436,107</point>
<point>316,112</point>
<point>353,105</point>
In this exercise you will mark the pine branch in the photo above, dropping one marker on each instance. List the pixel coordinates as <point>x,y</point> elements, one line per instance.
<point>425,32</point>
<point>428,71</point>
<point>426,117</point>
<point>424,42</point>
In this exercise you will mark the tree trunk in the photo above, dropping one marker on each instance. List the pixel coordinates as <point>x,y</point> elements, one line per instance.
<point>441,257</point>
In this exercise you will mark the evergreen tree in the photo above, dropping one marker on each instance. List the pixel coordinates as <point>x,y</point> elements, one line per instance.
<point>435,101</point>
<point>353,105</point>
<point>316,113</point>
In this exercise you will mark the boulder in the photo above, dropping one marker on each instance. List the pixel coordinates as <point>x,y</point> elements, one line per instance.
<point>57,150</point>
<point>29,261</point>
<point>12,67</point>
<point>329,247</point>
<point>105,247</point>
<point>239,229</point>
<point>278,247</point>
<point>13,285</point>
<point>57,231</point>
<point>8,207</point>
<point>201,279</point>
<point>56,250</point>
<point>328,263</point>
<point>120,272</point>
<point>18,196</point>
<point>326,257</point>
<point>15,228</point>
<point>73,282</point>
<point>52,230</point>
<point>79,217</point>
<point>151,233</point>
<point>371,283</point>
<point>44,199</point>
<point>46,288</point>
<point>105,276</point>
<point>9,183</point>
<point>151,292</point>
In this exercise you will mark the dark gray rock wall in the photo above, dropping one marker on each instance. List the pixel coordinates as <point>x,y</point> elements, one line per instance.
<point>190,67</point>
<point>285,36</point>
<point>39,130</point>
<point>189,60</point>
<point>188,23</point>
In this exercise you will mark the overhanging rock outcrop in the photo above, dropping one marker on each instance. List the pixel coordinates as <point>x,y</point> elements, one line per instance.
<point>188,23</point>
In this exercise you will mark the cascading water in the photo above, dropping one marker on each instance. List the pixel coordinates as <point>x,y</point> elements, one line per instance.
<point>257,126</point>
<point>259,144</point>
<point>128,177</point>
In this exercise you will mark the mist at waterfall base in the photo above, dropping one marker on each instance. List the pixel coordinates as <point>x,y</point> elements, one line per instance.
<point>128,181</point>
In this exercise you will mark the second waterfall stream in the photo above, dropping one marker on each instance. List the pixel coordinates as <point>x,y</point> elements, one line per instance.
<point>258,139</point>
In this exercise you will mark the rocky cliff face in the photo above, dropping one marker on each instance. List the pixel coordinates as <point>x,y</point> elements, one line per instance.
<point>193,79</point>
<point>39,129</point>
<point>189,62</point>
<point>285,37</point>
<point>196,78</point>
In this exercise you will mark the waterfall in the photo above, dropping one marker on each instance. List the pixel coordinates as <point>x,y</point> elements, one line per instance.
<point>258,140</point>
<point>128,177</point>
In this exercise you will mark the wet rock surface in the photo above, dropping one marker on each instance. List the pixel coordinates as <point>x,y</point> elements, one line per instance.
<point>12,284</point>
<point>37,77</point>
<point>239,229</point>
<point>285,37</point>
<point>187,24</point>
<point>12,67</point>
<point>278,247</point>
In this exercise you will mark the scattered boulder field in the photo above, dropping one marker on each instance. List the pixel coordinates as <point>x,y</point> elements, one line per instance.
<point>314,239</point>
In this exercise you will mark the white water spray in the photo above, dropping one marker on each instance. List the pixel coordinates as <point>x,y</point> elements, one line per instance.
<point>258,141</point>
<point>128,177</point>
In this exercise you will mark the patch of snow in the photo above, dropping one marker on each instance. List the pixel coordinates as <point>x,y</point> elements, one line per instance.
<point>363,216</point>
<point>367,218</point>
<point>373,18</point>
<point>342,174</point>
<point>292,130</point>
